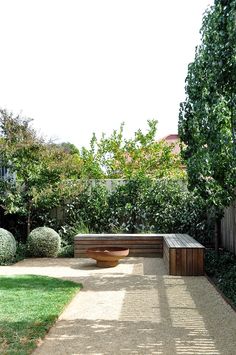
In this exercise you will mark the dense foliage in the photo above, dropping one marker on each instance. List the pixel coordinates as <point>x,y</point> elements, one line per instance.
<point>43,242</point>
<point>207,121</point>
<point>43,175</point>
<point>222,269</point>
<point>116,157</point>
<point>7,247</point>
<point>140,205</point>
<point>38,171</point>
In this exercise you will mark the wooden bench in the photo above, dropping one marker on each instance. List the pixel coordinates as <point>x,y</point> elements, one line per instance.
<point>182,254</point>
<point>139,244</point>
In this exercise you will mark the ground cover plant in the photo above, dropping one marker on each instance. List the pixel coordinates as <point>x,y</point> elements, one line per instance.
<point>222,270</point>
<point>29,306</point>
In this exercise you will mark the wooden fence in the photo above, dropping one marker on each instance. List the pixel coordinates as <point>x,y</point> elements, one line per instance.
<point>228,229</point>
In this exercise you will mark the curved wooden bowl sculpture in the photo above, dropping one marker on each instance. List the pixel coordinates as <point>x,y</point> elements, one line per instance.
<point>107,257</point>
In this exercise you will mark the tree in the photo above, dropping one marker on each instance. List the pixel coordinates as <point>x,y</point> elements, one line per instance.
<point>42,171</point>
<point>207,120</point>
<point>69,148</point>
<point>116,157</point>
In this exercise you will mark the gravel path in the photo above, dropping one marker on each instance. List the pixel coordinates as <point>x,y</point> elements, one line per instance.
<point>135,308</point>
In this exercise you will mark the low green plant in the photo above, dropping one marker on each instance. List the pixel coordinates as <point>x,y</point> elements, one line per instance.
<point>66,251</point>
<point>68,231</point>
<point>21,251</point>
<point>7,247</point>
<point>222,270</point>
<point>43,242</point>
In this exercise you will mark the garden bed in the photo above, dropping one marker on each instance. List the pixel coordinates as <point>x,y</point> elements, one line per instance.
<point>222,272</point>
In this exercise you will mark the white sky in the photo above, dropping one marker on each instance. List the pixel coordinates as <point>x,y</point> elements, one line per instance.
<point>79,66</point>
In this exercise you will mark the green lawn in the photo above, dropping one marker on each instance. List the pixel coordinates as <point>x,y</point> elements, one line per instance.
<point>29,305</point>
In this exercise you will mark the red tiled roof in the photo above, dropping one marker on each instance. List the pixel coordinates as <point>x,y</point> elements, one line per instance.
<point>172,139</point>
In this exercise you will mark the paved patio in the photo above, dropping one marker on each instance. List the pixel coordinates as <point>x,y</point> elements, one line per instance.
<point>135,308</point>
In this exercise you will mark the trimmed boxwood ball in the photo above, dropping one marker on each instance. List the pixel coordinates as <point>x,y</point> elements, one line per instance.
<point>7,247</point>
<point>44,242</point>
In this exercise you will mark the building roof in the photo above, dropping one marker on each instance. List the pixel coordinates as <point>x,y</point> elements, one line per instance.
<point>172,139</point>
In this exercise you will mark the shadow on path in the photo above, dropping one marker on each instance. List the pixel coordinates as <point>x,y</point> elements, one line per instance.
<point>136,308</point>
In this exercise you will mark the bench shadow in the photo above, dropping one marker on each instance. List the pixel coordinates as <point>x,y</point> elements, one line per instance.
<point>141,265</point>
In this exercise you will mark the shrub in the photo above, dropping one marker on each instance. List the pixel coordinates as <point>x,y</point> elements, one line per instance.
<point>167,206</point>
<point>222,270</point>
<point>140,205</point>
<point>66,251</point>
<point>90,210</point>
<point>124,206</point>
<point>21,251</point>
<point>7,247</point>
<point>158,206</point>
<point>68,231</point>
<point>44,242</point>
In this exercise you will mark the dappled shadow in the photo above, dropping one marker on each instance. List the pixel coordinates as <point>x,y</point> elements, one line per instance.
<point>154,314</point>
<point>125,337</point>
<point>141,266</point>
<point>142,313</point>
<point>136,308</point>
<point>117,282</point>
<point>163,319</point>
<point>104,337</point>
<point>209,312</point>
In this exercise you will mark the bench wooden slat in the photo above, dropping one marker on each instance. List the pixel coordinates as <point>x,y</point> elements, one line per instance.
<point>78,250</point>
<point>182,241</point>
<point>114,242</point>
<point>184,262</point>
<point>119,236</point>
